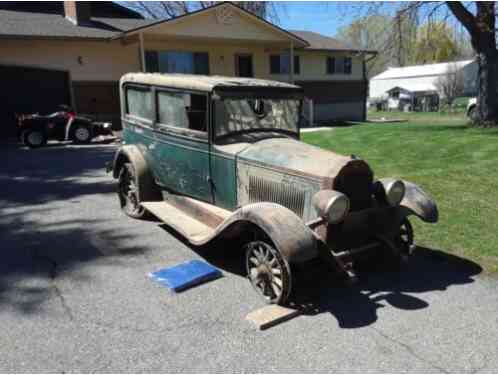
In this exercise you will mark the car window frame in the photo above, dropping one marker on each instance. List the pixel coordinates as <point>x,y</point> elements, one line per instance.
<point>138,120</point>
<point>176,130</point>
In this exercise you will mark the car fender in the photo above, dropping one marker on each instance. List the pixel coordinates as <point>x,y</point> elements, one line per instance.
<point>290,235</point>
<point>147,188</point>
<point>417,202</point>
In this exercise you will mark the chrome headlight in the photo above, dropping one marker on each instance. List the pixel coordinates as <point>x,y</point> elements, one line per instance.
<point>332,205</point>
<point>395,190</point>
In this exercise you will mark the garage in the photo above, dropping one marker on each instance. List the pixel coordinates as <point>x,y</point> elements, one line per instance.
<point>30,90</point>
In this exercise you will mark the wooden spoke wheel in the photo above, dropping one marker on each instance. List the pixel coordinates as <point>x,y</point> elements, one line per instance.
<point>268,272</point>
<point>128,192</point>
<point>405,237</point>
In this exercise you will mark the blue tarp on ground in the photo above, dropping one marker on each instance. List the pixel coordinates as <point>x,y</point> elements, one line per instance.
<point>185,275</point>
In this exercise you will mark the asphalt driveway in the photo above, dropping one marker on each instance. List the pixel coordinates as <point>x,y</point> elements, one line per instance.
<point>75,297</point>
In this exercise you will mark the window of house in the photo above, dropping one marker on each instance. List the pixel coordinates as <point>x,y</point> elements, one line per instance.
<point>139,102</point>
<point>182,110</point>
<point>177,62</point>
<point>339,65</point>
<point>280,64</point>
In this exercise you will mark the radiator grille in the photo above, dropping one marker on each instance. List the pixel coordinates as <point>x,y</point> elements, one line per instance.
<point>263,190</point>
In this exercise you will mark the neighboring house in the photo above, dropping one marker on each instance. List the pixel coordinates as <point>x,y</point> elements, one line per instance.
<point>75,52</point>
<point>413,96</point>
<point>416,85</point>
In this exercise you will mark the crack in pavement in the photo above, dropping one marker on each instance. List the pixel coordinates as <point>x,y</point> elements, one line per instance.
<point>409,350</point>
<point>52,275</point>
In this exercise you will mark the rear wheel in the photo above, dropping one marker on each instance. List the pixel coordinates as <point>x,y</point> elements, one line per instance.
<point>34,138</point>
<point>128,192</point>
<point>268,272</point>
<point>81,133</point>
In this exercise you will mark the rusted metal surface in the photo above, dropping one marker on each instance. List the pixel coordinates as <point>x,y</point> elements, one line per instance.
<point>417,202</point>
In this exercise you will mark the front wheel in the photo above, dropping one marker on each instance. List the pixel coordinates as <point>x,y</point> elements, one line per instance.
<point>268,272</point>
<point>34,138</point>
<point>81,134</point>
<point>128,192</point>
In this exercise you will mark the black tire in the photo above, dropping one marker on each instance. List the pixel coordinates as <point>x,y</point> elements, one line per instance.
<point>472,114</point>
<point>129,199</point>
<point>81,133</point>
<point>268,272</point>
<point>34,138</point>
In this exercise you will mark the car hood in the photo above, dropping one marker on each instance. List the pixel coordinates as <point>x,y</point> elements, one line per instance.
<point>291,155</point>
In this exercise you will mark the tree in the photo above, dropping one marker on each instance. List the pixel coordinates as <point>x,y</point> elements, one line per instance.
<point>435,44</point>
<point>479,20</point>
<point>481,28</point>
<point>450,85</point>
<point>378,32</point>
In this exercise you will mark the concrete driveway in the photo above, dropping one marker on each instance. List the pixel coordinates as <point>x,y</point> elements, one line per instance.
<point>74,293</point>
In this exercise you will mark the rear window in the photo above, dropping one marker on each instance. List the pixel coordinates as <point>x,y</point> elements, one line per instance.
<point>139,102</point>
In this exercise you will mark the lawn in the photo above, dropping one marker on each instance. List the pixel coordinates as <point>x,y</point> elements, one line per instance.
<point>456,164</point>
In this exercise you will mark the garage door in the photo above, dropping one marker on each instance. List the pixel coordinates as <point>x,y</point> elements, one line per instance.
<point>29,90</point>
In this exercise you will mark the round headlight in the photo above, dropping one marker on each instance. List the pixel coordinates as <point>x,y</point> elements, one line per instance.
<point>395,191</point>
<point>332,205</point>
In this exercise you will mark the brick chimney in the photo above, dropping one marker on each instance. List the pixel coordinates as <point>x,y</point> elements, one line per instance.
<point>78,12</point>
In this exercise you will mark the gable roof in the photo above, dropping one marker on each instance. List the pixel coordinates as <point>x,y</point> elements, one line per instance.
<point>256,18</point>
<point>321,42</point>
<point>420,70</point>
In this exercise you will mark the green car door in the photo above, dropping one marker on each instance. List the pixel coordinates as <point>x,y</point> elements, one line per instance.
<point>180,151</point>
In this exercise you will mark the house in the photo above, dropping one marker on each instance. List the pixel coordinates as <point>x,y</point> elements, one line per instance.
<point>415,86</point>
<point>75,52</point>
<point>413,96</point>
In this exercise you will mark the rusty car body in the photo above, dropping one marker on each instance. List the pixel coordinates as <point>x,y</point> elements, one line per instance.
<point>221,157</point>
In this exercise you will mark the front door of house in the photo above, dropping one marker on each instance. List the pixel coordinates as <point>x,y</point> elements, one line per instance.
<point>243,65</point>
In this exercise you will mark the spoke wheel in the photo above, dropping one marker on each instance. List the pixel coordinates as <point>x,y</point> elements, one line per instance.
<point>128,192</point>
<point>268,272</point>
<point>405,237</point>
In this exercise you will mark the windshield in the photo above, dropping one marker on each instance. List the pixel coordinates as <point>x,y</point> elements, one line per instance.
<point>247,115</point>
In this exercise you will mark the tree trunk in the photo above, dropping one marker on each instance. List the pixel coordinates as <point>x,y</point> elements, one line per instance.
<point>487,92</point>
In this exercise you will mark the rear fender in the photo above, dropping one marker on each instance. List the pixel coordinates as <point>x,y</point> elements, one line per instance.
<point>417,202</point>
<point>147,188</point>
<point>295,241</point>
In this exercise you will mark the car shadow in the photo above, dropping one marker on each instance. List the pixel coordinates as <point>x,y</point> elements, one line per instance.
<point>318,289</point>
<point>356,306</point>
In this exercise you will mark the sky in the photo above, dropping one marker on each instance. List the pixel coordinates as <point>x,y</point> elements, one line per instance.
<point>322,17</point>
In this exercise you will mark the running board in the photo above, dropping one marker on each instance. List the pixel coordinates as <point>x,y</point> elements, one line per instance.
<point>179,220</point>
<point>191,218</point>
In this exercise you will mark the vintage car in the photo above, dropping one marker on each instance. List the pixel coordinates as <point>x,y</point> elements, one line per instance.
<point>220,157</point>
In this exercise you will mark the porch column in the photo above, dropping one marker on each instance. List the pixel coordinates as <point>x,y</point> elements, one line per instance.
<point>291,65</point>
<point>142,52</point>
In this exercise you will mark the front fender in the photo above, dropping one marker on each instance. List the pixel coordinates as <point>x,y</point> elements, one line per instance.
<point>417,202</point>
<point>295,241</point>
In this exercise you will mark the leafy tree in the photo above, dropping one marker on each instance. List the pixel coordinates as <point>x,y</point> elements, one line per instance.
<point>435,44</point>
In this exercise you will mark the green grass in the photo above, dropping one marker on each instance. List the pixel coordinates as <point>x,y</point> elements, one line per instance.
<point>456,164</point>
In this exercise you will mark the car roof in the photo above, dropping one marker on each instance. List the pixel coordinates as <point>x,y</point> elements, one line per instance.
<point>201,82</point>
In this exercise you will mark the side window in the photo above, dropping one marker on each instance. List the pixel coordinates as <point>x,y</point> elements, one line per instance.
<point>182,110</point>
<point>139,102</point>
